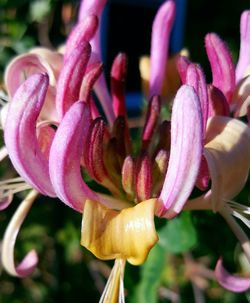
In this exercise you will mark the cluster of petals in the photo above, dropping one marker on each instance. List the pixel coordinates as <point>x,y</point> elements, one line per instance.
<point>226,140</point>
<point>53,129</point>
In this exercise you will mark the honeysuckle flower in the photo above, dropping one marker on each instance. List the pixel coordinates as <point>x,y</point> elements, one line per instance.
<point>227,152</point>
<point>61,175</point>
<point>227,178</point>
<point>225,139</point>
<point>136,178</point>
<point>107,158</point>
<point>53,156</point>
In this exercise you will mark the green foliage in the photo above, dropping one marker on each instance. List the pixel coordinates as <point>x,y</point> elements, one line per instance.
<point>39,9</point>
<point>178,235</point>
<point>146,290</point>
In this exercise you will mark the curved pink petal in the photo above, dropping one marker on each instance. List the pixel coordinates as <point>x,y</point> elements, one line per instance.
<point>93,73</point>
<point>196,78</point>
<point>65,154</point>
<point>28,264</point>
<point>222,66</point>
<point>185,152</point>
<point>83,31</point>
<point>20,133</point>
<point>244,57</point>
<point>182,66</point>
<point>38,60</point>
<point>71,76</point>
<point>218,105</point>
<point>161,30</point>
<point>229,281</point>
<point>91,7</point>
<point>242,97</point>
<point>5,202</point>
<point>96,7</point>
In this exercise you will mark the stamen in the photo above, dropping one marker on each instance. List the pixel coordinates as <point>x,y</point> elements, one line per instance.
<point>114,289</point>
<point>14,185</point>
<point>240,211</point>
<point>12,180</point>
<point>237,230</point>
<point>8,188</point>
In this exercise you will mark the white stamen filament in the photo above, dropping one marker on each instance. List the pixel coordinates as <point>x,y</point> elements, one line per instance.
<point>9,239</point>
<point>12,186</point>
<point>12,180</point>
<point>238,207</point>
<point>237,230</point>
<point>3,153</point>
<point>114,289</point>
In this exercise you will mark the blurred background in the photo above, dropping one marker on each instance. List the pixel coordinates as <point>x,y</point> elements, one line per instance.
<point>178,267</point>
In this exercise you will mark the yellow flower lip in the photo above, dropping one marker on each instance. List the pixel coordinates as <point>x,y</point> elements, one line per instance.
<point>128,234</point>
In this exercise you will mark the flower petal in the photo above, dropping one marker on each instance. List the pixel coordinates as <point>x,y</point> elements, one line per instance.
<point>228,157</point>
<point>83,31</point>
<point>28,264</point>
<point>196,78</point>
<point>162,27</point>
<point>182,66</point>
<point>20,133</point>
<point>244,59</point>
<point>37,60</point>
<point>103,229</point>
<point>242,97</point>
<point>229,281</point>
<point>92,74</point>
<point>185,153</point>
<point>221,64</point>
<point>96,7</point>
<point>5,201</point>
<point>64,162</point>
<point>71,76</point>
<point>218,105</point>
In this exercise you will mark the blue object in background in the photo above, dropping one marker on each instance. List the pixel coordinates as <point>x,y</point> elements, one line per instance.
<point>134,98</point>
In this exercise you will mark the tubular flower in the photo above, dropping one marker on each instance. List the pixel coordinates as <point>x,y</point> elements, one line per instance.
<point>33,101</point>
<point>156,180</point>
<point>226,140</point>
<point>226,144</point>
<point>55,136</point>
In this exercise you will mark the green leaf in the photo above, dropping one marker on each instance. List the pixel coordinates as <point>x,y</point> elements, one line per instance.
<point>39,10</point>
<point>151,271</point>
<point>178,235</point>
